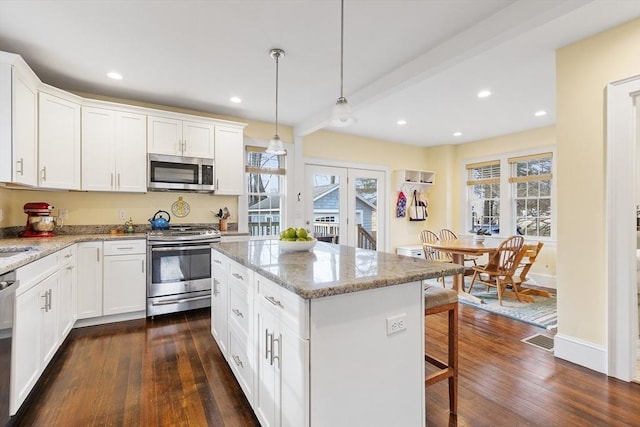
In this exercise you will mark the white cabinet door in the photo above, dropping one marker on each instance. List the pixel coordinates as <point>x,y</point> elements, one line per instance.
<point>131,152</point>
<point>229,155</point>
<point>124,286</point>
<point>98,149</point>
<point>114,150</point>
<point>164,135</point>
<point>294,384</point>
<point>25,361</point>
<point>197,139</point>
<point>24,130</point>
<point>58,143</point>
<point>219,302</point>
<point>68,301</point>
<point>49,336</point>
<point>89,264</point>
<point>265,399</point>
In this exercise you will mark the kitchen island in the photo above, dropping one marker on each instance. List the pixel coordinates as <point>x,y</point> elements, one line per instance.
<point>328,337</point>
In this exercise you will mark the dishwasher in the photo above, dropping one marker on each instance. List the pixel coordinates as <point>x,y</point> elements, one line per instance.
<point>8,285</point>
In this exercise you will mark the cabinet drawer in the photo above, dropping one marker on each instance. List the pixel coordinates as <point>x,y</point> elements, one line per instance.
<point>125,247</point>
<point>240,308</point>
<point>68,256</point>
<point>32,273</point>
<point>219,261</point>
<point>240,357</point>
<point>290,308</point>
<point>240,275</point>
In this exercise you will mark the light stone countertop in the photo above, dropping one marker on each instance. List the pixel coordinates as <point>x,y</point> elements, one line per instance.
<point>330,269</point>
<point>41,247</point>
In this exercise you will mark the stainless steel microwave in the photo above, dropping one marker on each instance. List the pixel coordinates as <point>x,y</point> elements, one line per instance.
<point>179,173</point>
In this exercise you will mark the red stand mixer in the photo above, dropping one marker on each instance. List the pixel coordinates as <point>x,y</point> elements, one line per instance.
<point>40,222</point>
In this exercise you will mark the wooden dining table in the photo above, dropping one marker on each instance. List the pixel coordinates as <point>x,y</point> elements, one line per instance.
<point>458,249</point>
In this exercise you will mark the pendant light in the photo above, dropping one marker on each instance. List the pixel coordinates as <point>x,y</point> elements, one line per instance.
<point>275,144</point>
<point>342,115</point>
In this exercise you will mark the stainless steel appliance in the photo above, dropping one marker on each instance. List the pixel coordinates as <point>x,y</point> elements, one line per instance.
<point>8,285</point>
<point>168,173</point>
<point>179,277</point>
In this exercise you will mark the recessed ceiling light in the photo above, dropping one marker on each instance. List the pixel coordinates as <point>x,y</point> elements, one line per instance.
<point>115,76</point>
<point>401,122</point>
<point>235,100</point>
<point>540,113</point>
<point>484,94</point>
<point>457,134</point>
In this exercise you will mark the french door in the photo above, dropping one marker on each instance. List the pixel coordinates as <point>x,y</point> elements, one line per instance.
<point>346,205</point>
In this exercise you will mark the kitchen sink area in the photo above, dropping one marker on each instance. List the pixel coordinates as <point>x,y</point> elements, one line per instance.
<point>9,252</point>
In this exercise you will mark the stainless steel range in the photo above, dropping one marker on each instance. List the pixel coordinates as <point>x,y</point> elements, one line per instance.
<point>180,275</point>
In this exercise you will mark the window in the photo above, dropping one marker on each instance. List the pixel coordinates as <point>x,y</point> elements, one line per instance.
<point>483,190</point>
<point>265,191</point>
<point>530,177</point>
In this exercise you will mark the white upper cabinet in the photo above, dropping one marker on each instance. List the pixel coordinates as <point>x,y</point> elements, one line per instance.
<point>182,138</point>
<point>113,150</point>
<point>59,142</point>
<point>18,124</point>
<point>229,155</point>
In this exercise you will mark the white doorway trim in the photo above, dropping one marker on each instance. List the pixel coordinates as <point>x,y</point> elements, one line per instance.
<point>620,215</point>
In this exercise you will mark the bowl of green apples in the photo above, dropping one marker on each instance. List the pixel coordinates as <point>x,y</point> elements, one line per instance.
<point>296,239</point>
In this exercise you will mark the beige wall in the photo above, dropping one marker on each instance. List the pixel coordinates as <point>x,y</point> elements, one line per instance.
<point>583,71</point>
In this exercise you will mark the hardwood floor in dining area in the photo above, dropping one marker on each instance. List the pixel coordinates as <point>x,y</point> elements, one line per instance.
<point>169,372</point>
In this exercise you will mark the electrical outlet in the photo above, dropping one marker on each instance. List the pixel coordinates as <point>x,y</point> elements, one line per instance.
<point>64,214</point>
<point>122,215</point>
<point>396,323</point>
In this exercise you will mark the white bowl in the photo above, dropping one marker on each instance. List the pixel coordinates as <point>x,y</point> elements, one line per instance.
<point>294,245</point>
<point>478,238</point>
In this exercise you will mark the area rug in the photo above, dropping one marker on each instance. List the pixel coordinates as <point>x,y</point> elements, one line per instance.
<point>542,312</point>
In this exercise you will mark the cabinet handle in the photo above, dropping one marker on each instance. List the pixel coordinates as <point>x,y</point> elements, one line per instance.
<point>142,262</point>
<point>279,341</point>
<point>111,182</point>
<point>21,163</point>
<point>124,248</point>
<point>180,146</point>
<point>44,173</point>
<point>44,307</point>
<point>217,183</point>
<point>215,287</point>
<point>49,303</point>
<point>217,261</point>
<point>238,361</point>
<point>68,256</point>
<point>238,276</point>
<point>97,254</point>
<point>184,145</point>
<point>267,341</point>
<point>118,180</point>
<point>237,313</point>
<point>274,301</point>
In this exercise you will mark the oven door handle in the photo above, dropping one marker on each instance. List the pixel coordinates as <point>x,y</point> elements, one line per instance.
<point>178,301</point>
<point>178,248</point>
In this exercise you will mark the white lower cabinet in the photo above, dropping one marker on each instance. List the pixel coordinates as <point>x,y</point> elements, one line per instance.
<point>90,255</point>
<point>219,301</point>
<point>42,312</point>
<point>267,346</point>
<point>68,291</point>
<point>124,277</point>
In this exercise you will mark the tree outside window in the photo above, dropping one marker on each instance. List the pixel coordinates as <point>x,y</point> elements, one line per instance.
<point>531,179</point>
<point>483,190</point>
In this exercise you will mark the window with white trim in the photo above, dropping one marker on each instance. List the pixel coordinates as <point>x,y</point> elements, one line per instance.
<point>531,180</point>
<point>483,195</point>
<point>266,179</point>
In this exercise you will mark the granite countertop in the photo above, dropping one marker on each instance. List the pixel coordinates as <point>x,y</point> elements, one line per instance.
<point>41,247</point>
<point>330,269</point>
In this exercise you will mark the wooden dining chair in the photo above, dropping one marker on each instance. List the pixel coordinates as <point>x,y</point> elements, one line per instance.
<point>431,254</point>
<point>529,254</point>
<point>501,268</point>
<point>446,234</point>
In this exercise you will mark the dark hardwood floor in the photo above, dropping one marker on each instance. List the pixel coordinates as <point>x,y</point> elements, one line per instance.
<point>169,372</point>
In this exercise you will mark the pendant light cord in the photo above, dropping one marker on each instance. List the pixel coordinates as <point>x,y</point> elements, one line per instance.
<point>341,47</point>
<point>277,61</point>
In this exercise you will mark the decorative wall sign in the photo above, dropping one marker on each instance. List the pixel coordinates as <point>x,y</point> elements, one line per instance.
<point>180,208</point>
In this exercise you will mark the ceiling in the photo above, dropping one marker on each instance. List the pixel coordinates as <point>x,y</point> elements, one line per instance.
<point>422,61</point>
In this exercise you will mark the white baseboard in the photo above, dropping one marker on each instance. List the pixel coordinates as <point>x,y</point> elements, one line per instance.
<point>81,323</point>
<point>580,352</point>
<point>543,280</point>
